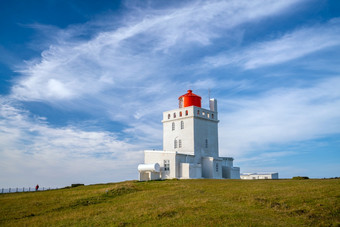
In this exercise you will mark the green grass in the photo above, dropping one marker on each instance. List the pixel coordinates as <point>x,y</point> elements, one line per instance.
<point>179,202</point>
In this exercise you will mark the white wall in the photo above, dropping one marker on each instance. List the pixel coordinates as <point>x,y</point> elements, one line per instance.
<point>235,173</point>
<point>200,124</point>
<point>151,156</point>
<point>186,135</point>
<point>190,171</point>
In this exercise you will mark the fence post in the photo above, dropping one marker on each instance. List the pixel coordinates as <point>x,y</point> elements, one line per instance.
<point>29,189</point>
<point>23,189</point>
<point>43,188</point>
<point>17,190</point>
<point>2,190</point>
<point>9,190</point>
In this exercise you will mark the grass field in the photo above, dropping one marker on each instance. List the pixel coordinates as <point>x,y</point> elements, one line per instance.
<point>179,202</point>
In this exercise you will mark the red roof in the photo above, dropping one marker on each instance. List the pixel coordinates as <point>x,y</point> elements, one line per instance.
<point>189,94</point>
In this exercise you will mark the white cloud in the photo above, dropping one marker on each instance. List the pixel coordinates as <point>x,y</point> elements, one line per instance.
<point>290,46</point>
<point>279,116</point>
<point>132,53</point>
<point>125,72</point>
<point>60,156</point>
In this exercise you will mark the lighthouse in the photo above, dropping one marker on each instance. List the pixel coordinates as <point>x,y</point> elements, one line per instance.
<point>190,145</point>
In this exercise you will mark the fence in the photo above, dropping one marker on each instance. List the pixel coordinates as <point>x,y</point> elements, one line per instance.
<point>23,189</point>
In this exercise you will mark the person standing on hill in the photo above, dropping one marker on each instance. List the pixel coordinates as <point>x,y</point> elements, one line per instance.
<point>37,187</point>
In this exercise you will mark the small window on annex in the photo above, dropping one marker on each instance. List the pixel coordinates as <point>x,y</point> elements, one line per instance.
<point>174,115</point>
<point>212,116</point>
<point>186,113</point>
<point>180,113</point>
<point>198,112</point>
<point>206,143</point>
<point>168,116</point>
<point>216,167</point>
<point>166,165</point>
<point>179,143</point>
<point>173,126</point>
<point>182,124</point>
<point>175,143</point>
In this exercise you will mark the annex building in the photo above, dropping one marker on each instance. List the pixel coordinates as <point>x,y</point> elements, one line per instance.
<point>190,145</point>
<point>259,176</point>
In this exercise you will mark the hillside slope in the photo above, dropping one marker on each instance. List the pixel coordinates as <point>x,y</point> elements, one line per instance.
<point>179,202</point>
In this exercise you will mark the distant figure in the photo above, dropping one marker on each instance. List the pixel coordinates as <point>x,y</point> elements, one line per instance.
<point>37,187</point>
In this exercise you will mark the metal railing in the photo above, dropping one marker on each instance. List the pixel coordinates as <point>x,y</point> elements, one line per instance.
<point>25,189</point>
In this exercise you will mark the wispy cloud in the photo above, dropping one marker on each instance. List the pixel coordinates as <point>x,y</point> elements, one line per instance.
<point>132,53</point>
<point>278,116</point>
<point>129,69</point>
<point>68,153</point>
<point>290,46</point>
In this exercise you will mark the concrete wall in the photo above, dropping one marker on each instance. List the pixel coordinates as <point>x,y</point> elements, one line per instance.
<point>227,161</point>
<point>235,173</point>
<point>217,169</point>
<point>211,168</point>
<point>199,125</point>
<point>205,130</point>
<point>186,135</point>
<point>151,156</point>
<point>190,171</point>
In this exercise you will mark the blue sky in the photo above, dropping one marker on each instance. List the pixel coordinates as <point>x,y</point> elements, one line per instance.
<point>83,84</point>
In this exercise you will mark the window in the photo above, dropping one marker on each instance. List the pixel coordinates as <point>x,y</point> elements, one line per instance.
<point>186,113</point>
<point>179,143</point>
<point>198,112</point>
<point>203,113</point>
<point>182,124</point>
<point>174,115</point>
<point>212,116</point>
<point>180,113</point>
<point>208,115</point>
<point>166,165</point>
<point>206,143</point>
<point>173,126</point>
<point>216,167</point>
<point>168,116</point>
<point>175,143</point>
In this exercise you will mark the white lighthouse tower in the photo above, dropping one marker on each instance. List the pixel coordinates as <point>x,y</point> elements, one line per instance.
<point>190,145</point>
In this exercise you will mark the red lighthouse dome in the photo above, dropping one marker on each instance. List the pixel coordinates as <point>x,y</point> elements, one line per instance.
<point>189,99</point>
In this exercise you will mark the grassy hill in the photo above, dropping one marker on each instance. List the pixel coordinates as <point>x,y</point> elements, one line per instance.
<point>179,202</point>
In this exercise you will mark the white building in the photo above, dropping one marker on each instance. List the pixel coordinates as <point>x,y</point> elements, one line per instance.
<point>259,176</point>
<point>190,145</point>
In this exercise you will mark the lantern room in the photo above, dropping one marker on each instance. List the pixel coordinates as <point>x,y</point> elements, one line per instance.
<point>189,99</point>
